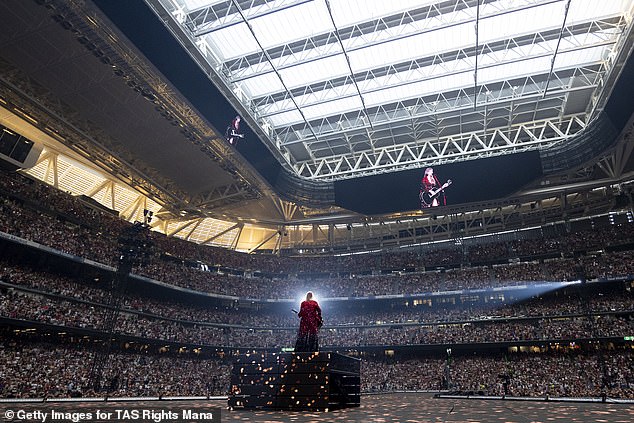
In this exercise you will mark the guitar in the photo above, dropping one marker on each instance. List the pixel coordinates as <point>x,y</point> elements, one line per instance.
<point>233,138</point>
<point>427,197</point>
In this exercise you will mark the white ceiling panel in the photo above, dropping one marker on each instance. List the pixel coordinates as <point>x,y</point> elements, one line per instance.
<point>291,24</point>
<point>311,68</point>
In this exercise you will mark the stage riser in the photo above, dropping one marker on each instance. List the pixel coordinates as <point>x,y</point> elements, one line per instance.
<point>280,390</point>
<point>279,380</point>
<point>295,381</point>
<point>303,403</point>
<point>289,389</point>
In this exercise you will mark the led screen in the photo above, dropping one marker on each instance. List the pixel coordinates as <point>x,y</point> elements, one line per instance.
<point>453,183</point>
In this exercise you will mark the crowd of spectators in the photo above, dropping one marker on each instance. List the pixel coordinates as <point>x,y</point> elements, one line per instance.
<point>567,302</point>
<point>33,210</point>
<point>607,266</point>
<point>40,370</point>
<point>554,375</point>
<point>46,229</point>
<point>72,239</point>
<point>43,370</point>
<point>571,374</point>
<point>51,309</point>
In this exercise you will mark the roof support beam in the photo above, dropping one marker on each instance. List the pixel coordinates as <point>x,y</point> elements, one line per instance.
<point>193,229</point>
<point>217,22</point>
<point>132,208</point>
<point>437,65</point>
<point>447,20</point>
<point>477,53</point>
<point>98,188</point>
<point>181,227</point>
<point>434,151</point>
<point>268,58</point>
<point>345,54</point>
<point>219,234</point>
<point>267,239</point>
<point>236,239</point>
<point>452,104</point>
<point>52,169</point>
<point>561,33</point>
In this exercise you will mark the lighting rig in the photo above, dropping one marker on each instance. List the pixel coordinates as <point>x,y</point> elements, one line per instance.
<point>135,247</point>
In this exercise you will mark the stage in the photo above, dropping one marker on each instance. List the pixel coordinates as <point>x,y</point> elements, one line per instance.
<point>415,407</point>
<point>386,408</point>
<point>302,381</point>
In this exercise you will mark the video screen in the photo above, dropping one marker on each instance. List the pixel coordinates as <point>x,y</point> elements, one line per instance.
<point>442,185</point>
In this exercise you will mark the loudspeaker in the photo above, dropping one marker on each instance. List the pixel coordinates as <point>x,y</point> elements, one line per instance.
<point>17,151</point>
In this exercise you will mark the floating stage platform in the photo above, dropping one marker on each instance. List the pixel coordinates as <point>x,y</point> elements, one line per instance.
<point>295,381</point>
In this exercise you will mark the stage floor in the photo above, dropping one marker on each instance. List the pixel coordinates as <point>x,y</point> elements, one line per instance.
<point>414,408</point>
<point>385,408</point>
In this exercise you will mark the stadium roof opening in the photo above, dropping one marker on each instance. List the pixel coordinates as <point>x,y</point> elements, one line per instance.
<point>349,88</point>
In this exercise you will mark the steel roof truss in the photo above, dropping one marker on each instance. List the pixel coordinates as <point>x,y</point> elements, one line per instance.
<point>455,148</point>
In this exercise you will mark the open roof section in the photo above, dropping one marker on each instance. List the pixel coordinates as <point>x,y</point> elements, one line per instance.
<point>350,88</point>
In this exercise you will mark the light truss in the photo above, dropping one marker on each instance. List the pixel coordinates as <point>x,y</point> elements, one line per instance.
<point>447,103</point>
<point>223,195</point>
<point>522,137</point>
<point>340,94</point>
<point>222,15</point>
<point>395,27</point>
<point>410,123</point>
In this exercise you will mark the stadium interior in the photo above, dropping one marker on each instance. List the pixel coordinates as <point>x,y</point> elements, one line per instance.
<point>141,252</point>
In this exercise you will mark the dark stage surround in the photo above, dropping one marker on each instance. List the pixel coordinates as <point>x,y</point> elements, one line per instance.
<point>472,181</point>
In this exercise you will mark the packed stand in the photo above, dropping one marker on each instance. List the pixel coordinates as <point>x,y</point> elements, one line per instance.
<point>16,304</point>
<point>35,211</point>
<point>552,374</point>
<point>38,370</point>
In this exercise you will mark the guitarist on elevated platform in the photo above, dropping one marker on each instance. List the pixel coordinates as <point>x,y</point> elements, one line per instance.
<point>232,134</point>
<point>432,192</point>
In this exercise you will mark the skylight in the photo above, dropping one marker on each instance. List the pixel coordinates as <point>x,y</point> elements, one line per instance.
<point>320,72</point>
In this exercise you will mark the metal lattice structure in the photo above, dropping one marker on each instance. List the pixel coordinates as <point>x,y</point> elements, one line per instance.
<point>343,89</point>
<point>339,89</point>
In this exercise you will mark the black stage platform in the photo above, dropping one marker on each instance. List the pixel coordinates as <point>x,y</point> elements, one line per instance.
<point>295,381</point>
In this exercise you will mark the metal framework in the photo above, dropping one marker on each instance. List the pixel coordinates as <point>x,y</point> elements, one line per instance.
<point>141,77</point>
<point>346,89</point>
<point>361,93</point>
<point>86,140</point>
<point>223,195</point>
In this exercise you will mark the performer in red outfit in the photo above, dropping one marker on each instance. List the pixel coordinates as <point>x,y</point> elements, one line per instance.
<point>432,192</point>
<point>311,321</point>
